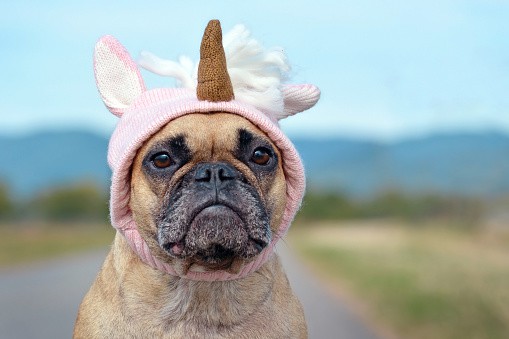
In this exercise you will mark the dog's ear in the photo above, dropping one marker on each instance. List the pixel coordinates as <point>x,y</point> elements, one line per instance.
<point>298,98</point>
<point>117,75</point>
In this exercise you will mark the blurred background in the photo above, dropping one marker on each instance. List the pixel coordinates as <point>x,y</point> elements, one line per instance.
<point>407,152</point>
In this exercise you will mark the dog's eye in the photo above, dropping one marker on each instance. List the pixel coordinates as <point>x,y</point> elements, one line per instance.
<point>161,160</point>
<point>261,156</point>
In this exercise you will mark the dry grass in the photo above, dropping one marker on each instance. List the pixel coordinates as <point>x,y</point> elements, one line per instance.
<point>22,243</point>
<point>425,282</point>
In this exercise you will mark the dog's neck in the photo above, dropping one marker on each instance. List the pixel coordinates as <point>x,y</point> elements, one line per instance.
<point>211,303</point>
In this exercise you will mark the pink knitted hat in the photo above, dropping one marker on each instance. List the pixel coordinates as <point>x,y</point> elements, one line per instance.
<point>262,100</point>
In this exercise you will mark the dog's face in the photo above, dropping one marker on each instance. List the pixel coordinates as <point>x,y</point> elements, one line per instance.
<point>208,190</point>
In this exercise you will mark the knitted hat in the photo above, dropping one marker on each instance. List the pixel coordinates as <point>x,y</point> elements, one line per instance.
<point>250,87</point>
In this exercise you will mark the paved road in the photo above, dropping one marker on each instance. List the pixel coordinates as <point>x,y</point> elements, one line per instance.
<point>41,301</point>
<point>326,315</point>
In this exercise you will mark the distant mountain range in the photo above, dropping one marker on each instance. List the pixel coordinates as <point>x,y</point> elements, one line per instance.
<point>462,163</point>
<point>35,162</point>
<point>465,164</point>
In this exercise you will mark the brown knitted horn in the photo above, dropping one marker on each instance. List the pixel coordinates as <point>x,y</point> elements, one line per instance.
<point>214,83</point>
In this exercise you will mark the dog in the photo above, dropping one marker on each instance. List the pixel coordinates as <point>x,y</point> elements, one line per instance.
<point>227,187</point>
<point>199,200</point>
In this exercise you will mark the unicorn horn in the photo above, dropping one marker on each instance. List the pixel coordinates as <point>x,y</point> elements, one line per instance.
<point>214,83</point>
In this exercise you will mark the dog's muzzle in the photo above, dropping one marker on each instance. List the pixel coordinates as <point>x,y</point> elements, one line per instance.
<point>213,216</point>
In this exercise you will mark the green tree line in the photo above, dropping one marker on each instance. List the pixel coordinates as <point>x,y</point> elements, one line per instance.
<point>89,202</point>
<point>318,205</point>
<point>83,201</point>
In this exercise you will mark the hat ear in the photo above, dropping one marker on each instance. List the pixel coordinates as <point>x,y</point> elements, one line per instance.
<point>116,74</point>
<point>298,98</point>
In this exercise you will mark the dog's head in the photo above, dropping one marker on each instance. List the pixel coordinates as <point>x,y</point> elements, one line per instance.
<point>203,177</point>
<point>208,190</point>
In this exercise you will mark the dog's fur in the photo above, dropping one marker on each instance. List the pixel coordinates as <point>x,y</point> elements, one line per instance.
<point>191,222</point>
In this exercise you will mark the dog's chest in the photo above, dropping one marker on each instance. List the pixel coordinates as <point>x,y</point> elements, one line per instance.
<point>199,309</point>
<point>201,314</point>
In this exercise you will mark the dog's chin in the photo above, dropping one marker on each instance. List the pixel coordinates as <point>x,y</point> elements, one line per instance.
<point>217,239</point>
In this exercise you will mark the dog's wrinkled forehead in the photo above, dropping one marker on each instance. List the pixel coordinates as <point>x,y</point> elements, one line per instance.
<point>207,137</point>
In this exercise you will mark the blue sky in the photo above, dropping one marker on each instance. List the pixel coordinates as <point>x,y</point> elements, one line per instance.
<point>387,69</point>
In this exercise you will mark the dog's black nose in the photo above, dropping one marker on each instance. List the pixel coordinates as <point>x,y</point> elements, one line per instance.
<point>215,173</point>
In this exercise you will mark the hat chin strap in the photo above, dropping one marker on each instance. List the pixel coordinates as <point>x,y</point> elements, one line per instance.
<point>140,247</point>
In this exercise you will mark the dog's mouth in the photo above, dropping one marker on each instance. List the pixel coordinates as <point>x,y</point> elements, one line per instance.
<point>217,236</point>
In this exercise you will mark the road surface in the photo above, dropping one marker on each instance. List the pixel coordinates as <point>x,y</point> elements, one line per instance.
<point>41,300</point>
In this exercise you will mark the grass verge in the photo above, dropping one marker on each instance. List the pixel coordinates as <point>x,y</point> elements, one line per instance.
<point>22,243</point>
<point>420,283</point>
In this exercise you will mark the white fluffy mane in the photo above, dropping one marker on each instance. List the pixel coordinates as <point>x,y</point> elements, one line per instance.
<point>256,73</point>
